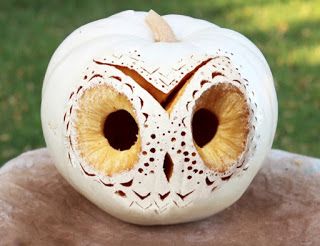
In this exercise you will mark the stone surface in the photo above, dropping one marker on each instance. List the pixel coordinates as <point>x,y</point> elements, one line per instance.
<point>281,207</point>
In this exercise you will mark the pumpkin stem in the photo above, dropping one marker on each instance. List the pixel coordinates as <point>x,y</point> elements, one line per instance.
<point>161,30</point>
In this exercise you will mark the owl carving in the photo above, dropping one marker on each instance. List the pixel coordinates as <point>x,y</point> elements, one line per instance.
<point>158,131</point>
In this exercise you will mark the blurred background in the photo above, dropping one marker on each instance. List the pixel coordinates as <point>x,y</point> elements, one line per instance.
<point>287,32</point>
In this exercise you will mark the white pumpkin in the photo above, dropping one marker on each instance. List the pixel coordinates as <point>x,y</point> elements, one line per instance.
<point>158,120</point>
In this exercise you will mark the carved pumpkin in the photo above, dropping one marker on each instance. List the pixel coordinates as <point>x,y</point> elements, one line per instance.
<point>158,120</point>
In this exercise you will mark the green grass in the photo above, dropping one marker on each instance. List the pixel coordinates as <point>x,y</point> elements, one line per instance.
<point>288,33</point>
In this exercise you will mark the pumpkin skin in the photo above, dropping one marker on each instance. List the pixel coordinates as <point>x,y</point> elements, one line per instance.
<point>176,181</point>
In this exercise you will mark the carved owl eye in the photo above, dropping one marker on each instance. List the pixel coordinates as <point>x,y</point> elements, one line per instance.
<point>107,132</point>
<point>220,126</point>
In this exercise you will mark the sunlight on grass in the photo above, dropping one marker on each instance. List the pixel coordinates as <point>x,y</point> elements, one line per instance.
<point>277,15</point>
<point>305,54</point>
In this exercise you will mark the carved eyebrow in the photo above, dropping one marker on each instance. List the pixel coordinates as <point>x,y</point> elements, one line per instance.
<point>182,84</point>
<point>156,93</point>
<point>165,99</point>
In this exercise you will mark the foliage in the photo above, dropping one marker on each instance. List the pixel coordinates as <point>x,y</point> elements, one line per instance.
<point>286,31</point>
